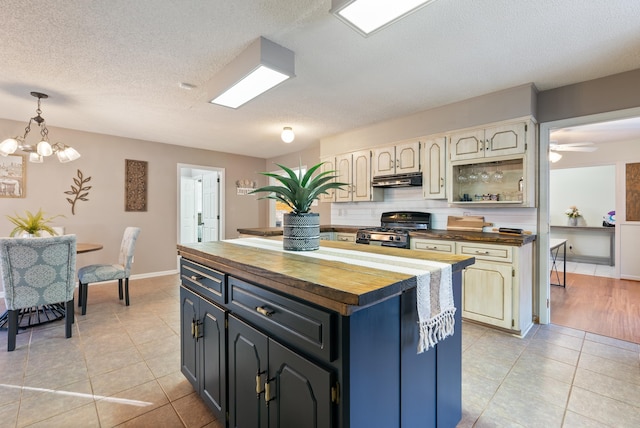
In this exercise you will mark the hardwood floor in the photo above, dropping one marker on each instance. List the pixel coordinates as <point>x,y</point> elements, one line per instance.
<point>605,306</point>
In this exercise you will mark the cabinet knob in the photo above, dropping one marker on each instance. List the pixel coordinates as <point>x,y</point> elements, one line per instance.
<point>441,181</point>
<point>486,253</point>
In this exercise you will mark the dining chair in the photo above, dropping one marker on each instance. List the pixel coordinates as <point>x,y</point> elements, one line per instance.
<point>110,272</point>
<point>35,272</point>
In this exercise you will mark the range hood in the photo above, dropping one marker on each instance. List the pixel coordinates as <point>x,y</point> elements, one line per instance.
<point>398,180</point>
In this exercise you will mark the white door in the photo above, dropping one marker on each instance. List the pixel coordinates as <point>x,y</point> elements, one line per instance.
<point>210,207</point>
<point>188,229</point>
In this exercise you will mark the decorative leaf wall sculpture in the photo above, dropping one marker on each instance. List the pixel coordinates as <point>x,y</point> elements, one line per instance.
<point>80,191</point>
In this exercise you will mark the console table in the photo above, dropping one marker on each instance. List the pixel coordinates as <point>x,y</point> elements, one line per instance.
<point>586,230</point>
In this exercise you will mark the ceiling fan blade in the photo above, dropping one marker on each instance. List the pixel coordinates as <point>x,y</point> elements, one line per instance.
<point>570,148</point>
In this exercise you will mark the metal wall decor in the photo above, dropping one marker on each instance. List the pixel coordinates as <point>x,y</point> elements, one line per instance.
<point>13,176</point>
<point>135,185</point>
<point>80,191</point>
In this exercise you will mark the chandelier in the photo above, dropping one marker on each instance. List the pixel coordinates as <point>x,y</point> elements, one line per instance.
<point>38,152</point>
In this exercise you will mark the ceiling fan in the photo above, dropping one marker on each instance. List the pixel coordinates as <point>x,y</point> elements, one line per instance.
<point>554,148</point>
<point>585,146</point>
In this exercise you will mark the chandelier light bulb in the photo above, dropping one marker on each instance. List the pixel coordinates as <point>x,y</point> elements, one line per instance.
<point>44,148</point>
<point>35,158</point>
<point>287,134</point>
<point>8,146</point>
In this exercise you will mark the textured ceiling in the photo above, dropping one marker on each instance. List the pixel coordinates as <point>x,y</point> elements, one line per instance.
<point>114,66</point>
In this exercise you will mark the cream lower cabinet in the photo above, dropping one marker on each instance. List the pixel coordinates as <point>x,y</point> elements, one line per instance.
<point>497,289</point>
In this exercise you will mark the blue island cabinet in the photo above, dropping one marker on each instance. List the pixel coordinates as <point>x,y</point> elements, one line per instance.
<point>285,362</point>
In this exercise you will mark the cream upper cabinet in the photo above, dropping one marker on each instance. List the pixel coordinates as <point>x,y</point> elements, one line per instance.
<point>501,140</point>
<point>328,164</point>
<point>434,172</point>
<point>355,169</point>
<point>344,172</point>
<point>398,159</point>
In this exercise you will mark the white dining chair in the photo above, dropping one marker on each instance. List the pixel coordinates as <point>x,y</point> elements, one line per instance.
<point>110,272</point>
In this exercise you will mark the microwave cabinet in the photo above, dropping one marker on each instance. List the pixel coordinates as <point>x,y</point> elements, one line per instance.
<point>401,158</point>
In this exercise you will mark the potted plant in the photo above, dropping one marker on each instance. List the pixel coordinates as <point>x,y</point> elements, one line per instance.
<point>301,231</point>
<point>31,224</point>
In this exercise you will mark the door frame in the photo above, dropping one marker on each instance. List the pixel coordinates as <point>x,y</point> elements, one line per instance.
<point>221,195</point>
<point>543,232</point>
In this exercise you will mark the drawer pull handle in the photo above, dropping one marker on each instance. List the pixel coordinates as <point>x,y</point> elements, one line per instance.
<point>265,311</point>
<point>196,277</point>
<point>486,253</point>
<point>432,247</point>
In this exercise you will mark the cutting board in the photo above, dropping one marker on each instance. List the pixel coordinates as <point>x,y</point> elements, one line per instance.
<point>472,223</point>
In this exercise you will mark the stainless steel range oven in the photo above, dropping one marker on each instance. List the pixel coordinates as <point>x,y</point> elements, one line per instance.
<point>394,229</point>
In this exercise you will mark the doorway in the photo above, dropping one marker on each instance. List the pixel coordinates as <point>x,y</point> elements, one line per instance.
<point>544,216</point>
<point>200,204</point>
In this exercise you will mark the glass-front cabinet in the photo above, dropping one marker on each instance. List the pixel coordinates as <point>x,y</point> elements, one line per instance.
<point>506,181</point>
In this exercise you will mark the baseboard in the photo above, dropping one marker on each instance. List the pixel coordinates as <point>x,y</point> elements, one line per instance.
<point>132,277</point>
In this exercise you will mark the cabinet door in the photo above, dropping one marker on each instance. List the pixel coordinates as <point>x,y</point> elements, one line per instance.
<point>344,172</point>
<point>467,145</point>
<point>487,293</point>
<point>300,391</point>
<point>328,164</point>
<point>212,359</point>
<point>361,176</point>
<point>434,174</point>
<point>383,161</point>
<point>408,157</point>
<point>505,140</point>
<point>248,353</point>
<point>188,349</point>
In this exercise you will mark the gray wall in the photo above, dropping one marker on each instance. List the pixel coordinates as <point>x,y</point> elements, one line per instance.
<point>616,92</point>
<point>102,219</point>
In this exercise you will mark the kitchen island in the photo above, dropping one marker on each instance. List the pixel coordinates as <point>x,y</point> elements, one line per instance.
<point>279,339</point>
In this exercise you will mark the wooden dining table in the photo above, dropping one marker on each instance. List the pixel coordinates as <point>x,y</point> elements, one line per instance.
<point>37,315</point>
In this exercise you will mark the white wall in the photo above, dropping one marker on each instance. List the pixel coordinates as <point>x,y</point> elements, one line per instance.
<point>591,189</point>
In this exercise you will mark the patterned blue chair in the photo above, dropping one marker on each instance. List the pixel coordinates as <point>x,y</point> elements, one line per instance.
<point>99,273</point>
<point>35,272</point>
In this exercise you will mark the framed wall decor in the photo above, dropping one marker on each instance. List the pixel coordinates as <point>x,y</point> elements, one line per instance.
<point>135,191</point>
<point>13,176</point>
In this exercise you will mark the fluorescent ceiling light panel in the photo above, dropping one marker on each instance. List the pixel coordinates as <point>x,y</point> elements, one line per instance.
<point>257,69</point>
<point>368,16</point>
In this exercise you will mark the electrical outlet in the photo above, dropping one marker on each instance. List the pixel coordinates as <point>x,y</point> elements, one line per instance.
<point>570,247</point>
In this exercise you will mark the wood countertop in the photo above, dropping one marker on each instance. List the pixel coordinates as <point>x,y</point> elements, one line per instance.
<point>485,237</point>
<point>450,235</point>
<point>338,286</point>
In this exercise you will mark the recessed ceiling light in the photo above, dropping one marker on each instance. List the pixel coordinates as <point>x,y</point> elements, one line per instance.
<point>369,16</point>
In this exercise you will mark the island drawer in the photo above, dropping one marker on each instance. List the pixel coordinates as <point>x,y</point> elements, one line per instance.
<point>498,253</point>
<point>203,280</point>
<point>299,325</point>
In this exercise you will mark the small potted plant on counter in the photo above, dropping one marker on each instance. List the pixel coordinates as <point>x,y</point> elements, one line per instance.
<point>31,224</point>
<point>301,231</point>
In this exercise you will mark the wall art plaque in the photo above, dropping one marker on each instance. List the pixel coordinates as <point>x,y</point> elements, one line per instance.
<point>135,191</point>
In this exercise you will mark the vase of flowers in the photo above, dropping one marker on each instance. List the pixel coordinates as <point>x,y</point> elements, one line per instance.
<point>572,214</point>
<point>301,231</point>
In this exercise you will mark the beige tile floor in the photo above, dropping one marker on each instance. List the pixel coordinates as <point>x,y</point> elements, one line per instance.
<point>121,368</point>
